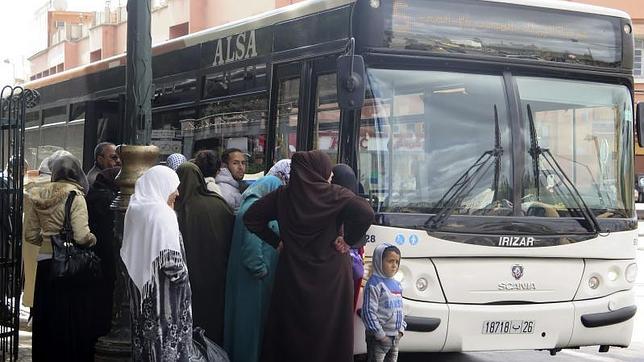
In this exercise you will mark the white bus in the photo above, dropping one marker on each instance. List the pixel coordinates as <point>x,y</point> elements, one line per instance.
<point>496,145</point>
<point>494,141</point>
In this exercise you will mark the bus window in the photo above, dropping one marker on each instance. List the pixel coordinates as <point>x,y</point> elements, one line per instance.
<point>54,115</point>
<point>286,122</point>
<point>584,126</point>
<point>422,130</point>
<point>166,132</point>
<point>76,131</point>
<point>53,139</point>
<point>234,123</point>
<point>32,140</point>
<point>327,117</point>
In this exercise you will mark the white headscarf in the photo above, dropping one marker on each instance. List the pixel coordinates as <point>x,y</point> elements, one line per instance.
<point>151,231</point>
<point>282,170</point>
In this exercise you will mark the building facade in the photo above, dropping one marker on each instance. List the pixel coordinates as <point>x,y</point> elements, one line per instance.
<point>78,38</point>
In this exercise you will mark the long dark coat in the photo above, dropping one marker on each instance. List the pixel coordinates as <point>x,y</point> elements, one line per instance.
<point>310,317</point>
<point>101,223</point>
<point>206,223</point>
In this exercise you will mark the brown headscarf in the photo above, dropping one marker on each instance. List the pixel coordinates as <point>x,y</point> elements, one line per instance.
<point>310,199</point>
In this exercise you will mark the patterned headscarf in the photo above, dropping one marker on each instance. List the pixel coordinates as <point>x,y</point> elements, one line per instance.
<point>175,159</point>
<point>282,170</point>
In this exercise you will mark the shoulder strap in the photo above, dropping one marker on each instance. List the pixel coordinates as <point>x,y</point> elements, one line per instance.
<point>67,224</point>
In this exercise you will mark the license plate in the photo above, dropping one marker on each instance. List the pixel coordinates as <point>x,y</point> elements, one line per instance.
<point>508,327</point>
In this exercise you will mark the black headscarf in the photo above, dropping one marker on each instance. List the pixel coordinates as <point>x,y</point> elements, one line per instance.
<point>68,168</point>
<point>310,200</point>
<point>206,224</point>
<point>344,176</point>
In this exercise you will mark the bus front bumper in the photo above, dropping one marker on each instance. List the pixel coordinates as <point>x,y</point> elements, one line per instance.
<point>602,321</point>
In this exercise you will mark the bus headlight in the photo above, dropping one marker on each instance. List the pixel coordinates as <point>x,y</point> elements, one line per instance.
<point>612,275</point>
<point>421,284</point>
<point>631,273</point>
<point>593,282</point>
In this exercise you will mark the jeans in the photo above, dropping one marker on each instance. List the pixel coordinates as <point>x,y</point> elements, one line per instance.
<point>378,351</point>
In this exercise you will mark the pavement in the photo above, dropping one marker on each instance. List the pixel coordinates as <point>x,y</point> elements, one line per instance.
<point>24,336</point>
<point>634,353</point>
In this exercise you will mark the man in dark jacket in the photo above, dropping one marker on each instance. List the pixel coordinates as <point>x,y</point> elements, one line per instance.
<point>101,223</point>
<point>105,157</point>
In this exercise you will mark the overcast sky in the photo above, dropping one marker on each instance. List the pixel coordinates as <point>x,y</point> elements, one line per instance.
<point>16,18</point>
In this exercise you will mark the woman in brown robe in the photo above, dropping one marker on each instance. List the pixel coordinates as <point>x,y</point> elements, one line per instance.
<point>206,223</point>
<point>310,317</point>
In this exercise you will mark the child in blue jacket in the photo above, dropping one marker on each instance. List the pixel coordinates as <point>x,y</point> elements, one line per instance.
<point>382,307</point>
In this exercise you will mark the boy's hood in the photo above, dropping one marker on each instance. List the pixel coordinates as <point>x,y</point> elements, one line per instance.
<point>376,261</point>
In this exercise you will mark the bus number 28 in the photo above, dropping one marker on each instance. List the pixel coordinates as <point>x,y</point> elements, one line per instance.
<point>370,238</point>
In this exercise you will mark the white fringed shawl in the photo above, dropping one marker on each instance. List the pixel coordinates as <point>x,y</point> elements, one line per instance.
<point>151,236</point>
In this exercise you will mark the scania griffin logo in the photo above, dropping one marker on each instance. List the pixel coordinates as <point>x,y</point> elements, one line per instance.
<point>517,271</point>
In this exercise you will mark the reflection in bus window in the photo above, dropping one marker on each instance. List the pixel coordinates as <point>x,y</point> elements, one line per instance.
<point>239,123</point>
<point>76,130</point>
<point>287,119</point>
<point>421,131</point>
<point>327,117</point>
<point>583,125</point>
<point>166,130</point>
<point>53,139</point>
<point>32,140</point>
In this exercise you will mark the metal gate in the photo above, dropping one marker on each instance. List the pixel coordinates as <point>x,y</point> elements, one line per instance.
<point>13,104</point>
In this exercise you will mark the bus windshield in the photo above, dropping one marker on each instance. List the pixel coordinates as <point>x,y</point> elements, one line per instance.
<point>431,140</point>
<point>587,129</point>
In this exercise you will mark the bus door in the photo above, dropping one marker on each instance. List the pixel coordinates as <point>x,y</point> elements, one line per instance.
<point>305,106</point>
<point>285,110</point>
<point>323,109</point>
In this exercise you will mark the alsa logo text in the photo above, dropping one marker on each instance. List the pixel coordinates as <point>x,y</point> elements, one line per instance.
<point>516,241</point>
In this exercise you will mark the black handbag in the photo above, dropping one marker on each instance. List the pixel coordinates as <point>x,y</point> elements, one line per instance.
<point>72,262</point>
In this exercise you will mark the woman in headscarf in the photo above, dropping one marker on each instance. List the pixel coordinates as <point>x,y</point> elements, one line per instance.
<point>62,322</point>
<point>310,316</point>
<point>152,253</point>
<point>30,251</point>
<point>344,176</point>
<point>101,223</point>
<point>209,165</point>
<point>282,170</point>
<point>249,280</point>
<point>206,223</point>
<point>175,160</point>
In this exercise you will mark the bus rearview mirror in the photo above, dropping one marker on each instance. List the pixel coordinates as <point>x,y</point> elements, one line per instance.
<point>351,84</point>
<point>640,123</point>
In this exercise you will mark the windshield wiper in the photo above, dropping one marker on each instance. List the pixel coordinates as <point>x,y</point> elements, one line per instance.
<point>461,188</point>
<point>535,152</point>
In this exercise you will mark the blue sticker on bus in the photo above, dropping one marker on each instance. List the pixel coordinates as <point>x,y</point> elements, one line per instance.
<point>400,239</point>
<point>413,240</point>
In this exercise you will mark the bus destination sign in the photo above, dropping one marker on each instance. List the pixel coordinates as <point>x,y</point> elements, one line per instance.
<point>504,30</point>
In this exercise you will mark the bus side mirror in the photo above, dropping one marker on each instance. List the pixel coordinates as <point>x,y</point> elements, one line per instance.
<point>639,116</point>
<point>351,86</point>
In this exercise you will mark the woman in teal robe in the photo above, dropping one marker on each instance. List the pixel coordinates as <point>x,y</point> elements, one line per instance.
<point>249,280</point>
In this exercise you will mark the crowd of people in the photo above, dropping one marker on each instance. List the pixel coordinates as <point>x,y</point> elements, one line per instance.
<point>267,270</point>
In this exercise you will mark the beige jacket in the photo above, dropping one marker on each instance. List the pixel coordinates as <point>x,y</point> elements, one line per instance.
<point>44,208</point>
